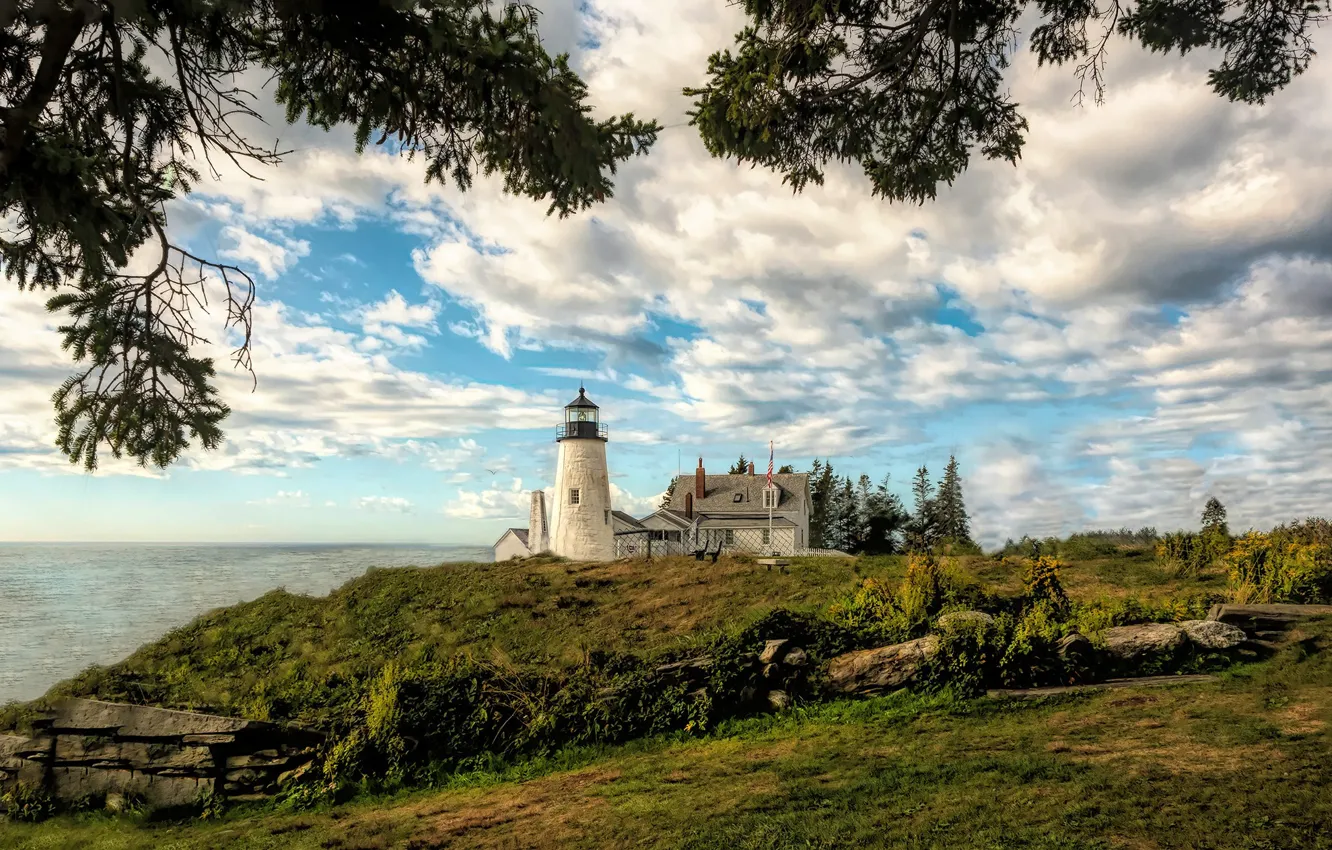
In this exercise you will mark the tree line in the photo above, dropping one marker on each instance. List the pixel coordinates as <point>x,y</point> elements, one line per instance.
<point>855,515</point>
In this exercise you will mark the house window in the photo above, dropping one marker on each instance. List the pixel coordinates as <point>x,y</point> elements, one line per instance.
<point>737,497</point>
<point>573,495</point>
<point>770,497</point>
<point>728,537</point>
<point>767,537</point>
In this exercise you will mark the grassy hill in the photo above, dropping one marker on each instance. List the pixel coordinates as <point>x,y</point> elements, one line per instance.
<point>262,659</point>
<point>1240,763</point>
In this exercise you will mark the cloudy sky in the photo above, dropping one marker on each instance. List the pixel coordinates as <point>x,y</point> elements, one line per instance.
<point>1136,317</point>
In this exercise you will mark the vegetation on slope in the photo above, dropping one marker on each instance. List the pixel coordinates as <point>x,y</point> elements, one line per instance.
<point>1239,763</point>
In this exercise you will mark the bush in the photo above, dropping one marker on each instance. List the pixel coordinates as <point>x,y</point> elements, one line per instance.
<point>1289,564</point>
<point>1030,655</point>
<point>27,803</point>
<point>1042,583</point>
<point>1187,554</point>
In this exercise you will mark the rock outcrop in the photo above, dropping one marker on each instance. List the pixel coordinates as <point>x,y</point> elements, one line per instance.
<point>874,671</point>
<point>1135,643</point>
<point>88,748</point>
<point>965,619</point>
<point>1213,634</point>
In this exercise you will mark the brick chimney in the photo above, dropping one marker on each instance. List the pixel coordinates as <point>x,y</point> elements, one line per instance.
<point>751,467</point>
<point>689,505</point>
<point>700,481</point>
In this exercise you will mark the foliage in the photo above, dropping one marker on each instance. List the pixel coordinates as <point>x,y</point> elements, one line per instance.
<point>950,511</point>
<point>27,803</point>
<point>873,773</point>
<point>1042,583</point>
<point>97,141</point>
<point>908,89</point>
<point>922,530</point>
<point>1214,517</point>
<point>1083,545</point>
<point>740,467</point>
<point>1288,564</point>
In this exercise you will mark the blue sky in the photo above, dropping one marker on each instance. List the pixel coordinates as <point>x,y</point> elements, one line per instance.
<point>1132,319</point>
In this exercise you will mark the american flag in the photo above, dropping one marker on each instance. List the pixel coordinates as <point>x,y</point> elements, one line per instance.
<point>769,463</point>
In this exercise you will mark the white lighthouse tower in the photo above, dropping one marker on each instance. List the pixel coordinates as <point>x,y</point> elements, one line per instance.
<point>581,505</point>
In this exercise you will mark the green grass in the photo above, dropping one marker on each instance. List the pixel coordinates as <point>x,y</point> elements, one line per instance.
<point>1241,763</point>
<point>282,655</point>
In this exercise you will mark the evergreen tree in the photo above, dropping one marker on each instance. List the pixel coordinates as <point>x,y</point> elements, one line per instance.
<point>921,531</point>
<point>740,467</point>
<point>786,469</point>
<point>950,512</point>
<point>911,89</point>
<point>842,515</point>
<point>887,518</point>
<point>670,491</point>
<point>860,526</point>
<point>822,482</point>
<point>96,141</point>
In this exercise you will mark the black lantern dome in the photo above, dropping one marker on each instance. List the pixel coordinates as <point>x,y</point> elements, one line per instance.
<point>580,420</point>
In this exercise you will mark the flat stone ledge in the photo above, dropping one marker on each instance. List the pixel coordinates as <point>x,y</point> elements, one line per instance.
<point>1108,684</point>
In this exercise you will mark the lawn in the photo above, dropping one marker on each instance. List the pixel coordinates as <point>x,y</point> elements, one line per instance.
<point>1244,762</point>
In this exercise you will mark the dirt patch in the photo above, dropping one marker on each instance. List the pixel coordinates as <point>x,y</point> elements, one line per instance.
<point>1177,757</point>
<point>542,813</point>
<point>1304,718</point>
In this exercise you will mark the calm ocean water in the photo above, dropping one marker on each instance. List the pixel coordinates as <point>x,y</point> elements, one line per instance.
<point>64,607</point>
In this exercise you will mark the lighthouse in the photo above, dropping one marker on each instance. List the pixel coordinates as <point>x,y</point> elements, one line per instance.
<point>581,505</point>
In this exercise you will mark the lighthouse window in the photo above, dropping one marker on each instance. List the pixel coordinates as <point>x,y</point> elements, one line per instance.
<point>573,495</point>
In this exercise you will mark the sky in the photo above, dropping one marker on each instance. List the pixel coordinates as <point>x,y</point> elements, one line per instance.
<point>1134,318</point>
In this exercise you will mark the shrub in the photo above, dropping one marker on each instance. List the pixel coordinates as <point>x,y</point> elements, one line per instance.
<point>967,656</point>
<point>1289,564</point>
<point>1042,583</point>
<point>1188,554</point>
<point>1031,646</point>
<point>27,803</point>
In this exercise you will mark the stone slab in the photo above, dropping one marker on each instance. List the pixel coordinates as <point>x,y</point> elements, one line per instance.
<point>142,721</point>
<point>72,783</point>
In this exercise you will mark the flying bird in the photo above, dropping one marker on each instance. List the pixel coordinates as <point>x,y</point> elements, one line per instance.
<point>492,471</point>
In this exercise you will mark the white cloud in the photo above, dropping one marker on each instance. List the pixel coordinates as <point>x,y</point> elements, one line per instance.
<point>269,258</point>
<point>394,504</point>
<point>291,498</point>
<point>494,503</point>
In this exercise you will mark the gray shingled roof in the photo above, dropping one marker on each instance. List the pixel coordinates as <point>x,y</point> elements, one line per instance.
<point>721,491</point>
<point>521,534</point>
<point>627,518</point>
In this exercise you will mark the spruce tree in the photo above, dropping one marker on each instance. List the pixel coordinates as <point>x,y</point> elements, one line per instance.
<point>922,531</point>
<point>886,521</point>
<point>109,106</point>
<point>670,491</point>
<point>740,467</point>
<point>863,510</point>
<point>950,509</point>
<point>911,90</point>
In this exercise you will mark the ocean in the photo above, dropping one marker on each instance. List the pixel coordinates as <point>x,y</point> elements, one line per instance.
<point>64,607</point>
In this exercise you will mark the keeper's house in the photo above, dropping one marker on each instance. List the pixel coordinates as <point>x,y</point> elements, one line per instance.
<point>731,511</point>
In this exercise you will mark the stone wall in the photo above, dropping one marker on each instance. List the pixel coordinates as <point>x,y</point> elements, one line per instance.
<point>85,748</point>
